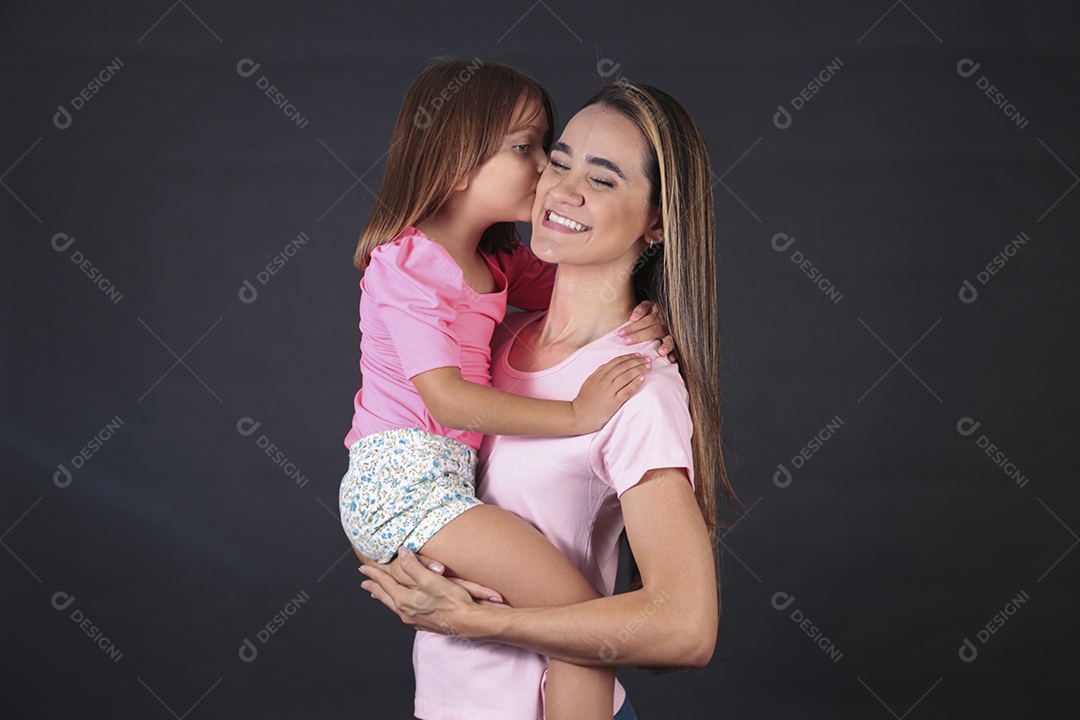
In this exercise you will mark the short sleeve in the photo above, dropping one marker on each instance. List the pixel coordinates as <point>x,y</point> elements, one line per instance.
<point>414,287</point>
<point>529,279</point>
<point>652,430</point>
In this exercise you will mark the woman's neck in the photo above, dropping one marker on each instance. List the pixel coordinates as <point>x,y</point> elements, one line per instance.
<point>587,303</point>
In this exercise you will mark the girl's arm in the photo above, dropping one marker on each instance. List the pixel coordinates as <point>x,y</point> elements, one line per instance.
<point>671,620</point>
<point>457,403</point>
<point>647,324</point>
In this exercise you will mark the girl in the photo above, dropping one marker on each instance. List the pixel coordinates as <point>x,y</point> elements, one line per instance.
<point>442,260</point>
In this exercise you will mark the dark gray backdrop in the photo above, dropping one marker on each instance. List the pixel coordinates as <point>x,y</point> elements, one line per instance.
<point>148,541</point>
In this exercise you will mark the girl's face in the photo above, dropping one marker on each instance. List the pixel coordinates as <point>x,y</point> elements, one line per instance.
<point>592,202</point>
<point>503,188</point>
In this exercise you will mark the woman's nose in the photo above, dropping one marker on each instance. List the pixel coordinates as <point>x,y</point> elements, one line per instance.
<point>566,191</point>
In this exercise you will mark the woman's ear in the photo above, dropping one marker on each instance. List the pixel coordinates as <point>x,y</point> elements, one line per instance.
<point>655,233</point>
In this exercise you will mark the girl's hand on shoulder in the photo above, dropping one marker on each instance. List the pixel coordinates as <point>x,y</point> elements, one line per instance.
<point>646,324</point>
<point>605,391</point>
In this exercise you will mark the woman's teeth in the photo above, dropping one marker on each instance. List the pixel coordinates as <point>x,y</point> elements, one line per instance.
<point>565,221</point>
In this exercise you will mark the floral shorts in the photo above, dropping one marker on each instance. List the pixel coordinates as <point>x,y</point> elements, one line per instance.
<point>402,487</point>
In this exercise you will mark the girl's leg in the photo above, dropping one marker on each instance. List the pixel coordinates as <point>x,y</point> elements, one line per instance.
<point>500,550</point>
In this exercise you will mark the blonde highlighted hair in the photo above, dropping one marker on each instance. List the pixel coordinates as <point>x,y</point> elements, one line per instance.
<point>453,119</point>
<point>679,274</point>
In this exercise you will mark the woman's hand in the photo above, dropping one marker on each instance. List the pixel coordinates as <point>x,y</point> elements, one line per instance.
<point>394,570</point>
<point>428,601</point>
<point>646,324</point>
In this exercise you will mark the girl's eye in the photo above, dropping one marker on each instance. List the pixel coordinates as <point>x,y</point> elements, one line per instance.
<point>601,181</point>
<point>523,148</point>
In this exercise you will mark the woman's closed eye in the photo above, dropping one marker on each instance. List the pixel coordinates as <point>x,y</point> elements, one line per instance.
<point>563,167</point>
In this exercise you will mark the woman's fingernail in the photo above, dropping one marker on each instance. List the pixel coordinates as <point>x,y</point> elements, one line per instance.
<point>623,332</point>
<point>365,584</point>
<point>403,551</point>
<point>495,598</point>
<point>435,567</point>
<point>633,316</point>
<point>627,341</point>
<point>363,569</point>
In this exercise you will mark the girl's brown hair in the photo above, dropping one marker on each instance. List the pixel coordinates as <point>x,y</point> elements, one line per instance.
<point>679,274</point>
<point>453,119</point>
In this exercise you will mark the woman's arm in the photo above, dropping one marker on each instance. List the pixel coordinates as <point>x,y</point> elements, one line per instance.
<point>671,620</point>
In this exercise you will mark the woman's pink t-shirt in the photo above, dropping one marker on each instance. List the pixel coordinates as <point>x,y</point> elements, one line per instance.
<point>417,313</point>
<point>569,489</point>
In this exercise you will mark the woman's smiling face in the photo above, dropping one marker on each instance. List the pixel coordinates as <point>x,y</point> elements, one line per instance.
<point>593,202</point>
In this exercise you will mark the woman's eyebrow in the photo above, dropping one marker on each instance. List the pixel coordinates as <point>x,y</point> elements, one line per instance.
<point>591,159</point>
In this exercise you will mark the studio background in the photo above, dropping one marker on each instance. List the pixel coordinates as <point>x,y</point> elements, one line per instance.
<point>898,295</point>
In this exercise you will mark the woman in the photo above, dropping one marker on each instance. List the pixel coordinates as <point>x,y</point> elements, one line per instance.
<point>625,210</point>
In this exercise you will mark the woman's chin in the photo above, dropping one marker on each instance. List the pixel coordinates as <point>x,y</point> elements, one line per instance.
<point>543,248</point>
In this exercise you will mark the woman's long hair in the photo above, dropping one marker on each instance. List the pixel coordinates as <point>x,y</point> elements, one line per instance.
<point>453,119</point>
<point>679,274</point>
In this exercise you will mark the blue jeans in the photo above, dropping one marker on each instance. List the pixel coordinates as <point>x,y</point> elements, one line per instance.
<point>626,712</point>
